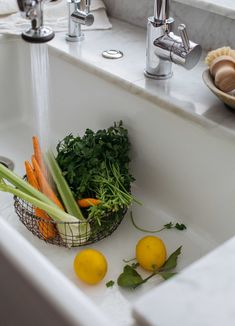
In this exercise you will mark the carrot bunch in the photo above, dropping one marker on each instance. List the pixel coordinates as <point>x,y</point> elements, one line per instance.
<point>37,177</point>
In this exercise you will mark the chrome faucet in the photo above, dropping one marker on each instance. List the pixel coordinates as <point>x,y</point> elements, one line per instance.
<point>33,10</point>
<point>164,47</point>
<point>79,14</point>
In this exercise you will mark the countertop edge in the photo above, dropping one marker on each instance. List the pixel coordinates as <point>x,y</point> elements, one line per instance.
<point>215,128</point>
<point>34,266</point>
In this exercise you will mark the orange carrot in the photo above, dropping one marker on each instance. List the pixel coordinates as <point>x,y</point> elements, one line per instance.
<point>44,184</point>
<point>39,156</point>
<point>30,175</point>
<point>47,230</point>
<point>87,202</point>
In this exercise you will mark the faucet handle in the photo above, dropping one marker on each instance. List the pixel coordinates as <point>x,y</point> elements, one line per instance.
<point>81,17</point>
<point>184,36</point>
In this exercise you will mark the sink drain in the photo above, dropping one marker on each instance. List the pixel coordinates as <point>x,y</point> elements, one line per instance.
<point>7,163</point>
<point>112,54</point>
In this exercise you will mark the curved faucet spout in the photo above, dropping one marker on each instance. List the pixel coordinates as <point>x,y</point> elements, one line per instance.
<point>161,10</point>
<point>33,10</point>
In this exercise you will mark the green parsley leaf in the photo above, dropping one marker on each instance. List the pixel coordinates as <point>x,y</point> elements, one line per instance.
<point>171,262</point>
<point>129,278</point>
<point>180,227</point>
<point>167,275</point>
<point>110,284</point>
<point>96,165</point>
<point>168,225</point>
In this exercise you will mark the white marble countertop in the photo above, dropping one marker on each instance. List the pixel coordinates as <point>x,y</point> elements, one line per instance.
<point>220,7</point>
<point>185,93</point>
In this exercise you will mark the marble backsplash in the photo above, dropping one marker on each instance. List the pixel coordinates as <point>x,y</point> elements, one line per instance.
<point>206,28</point>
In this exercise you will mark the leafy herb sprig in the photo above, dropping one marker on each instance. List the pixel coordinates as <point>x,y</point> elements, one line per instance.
<point>97,166</point>
<point>110,284</point>
<point>112,193</point>
<point>82,159</point>
<point>130,278</point>
<point>167,226</point>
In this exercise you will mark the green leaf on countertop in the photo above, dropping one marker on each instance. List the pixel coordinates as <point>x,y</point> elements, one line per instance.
<point>171,262</point>
<point>129,278</point>
<point>110,284</point>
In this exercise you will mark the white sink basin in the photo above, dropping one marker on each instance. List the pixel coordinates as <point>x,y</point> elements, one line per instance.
<point>183,173</point>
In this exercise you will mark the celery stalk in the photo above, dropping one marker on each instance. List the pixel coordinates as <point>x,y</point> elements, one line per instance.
<point>73,230</point>
<point>63,187</point>
<point>22,185</point>
<point>79,232</point>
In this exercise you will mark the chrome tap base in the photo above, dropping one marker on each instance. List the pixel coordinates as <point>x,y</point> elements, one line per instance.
<point>71,38</point>
<point>41,35</point>
<point>156,67</point>
<point>158,77</point>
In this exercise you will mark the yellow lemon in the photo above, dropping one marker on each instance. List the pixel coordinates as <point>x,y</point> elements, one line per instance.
<point>151,252</point>
<point>90,266</point>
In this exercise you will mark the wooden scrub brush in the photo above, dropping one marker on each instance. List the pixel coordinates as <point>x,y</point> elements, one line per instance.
<point>221,63</point>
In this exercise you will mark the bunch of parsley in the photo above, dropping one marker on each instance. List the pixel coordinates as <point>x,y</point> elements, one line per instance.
<point>97,165</point>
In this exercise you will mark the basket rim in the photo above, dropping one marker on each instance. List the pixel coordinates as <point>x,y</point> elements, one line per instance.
<point>122,210</point>
<point>26,213</point>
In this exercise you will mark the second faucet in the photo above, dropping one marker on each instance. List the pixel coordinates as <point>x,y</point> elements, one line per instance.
<point>164,47</point>
<point>79,14</point>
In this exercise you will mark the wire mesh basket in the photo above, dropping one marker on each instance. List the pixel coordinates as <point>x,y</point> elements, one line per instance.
<point>66,233</point>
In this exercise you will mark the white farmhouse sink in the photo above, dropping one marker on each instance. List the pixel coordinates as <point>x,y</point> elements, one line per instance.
<point>183,171</point>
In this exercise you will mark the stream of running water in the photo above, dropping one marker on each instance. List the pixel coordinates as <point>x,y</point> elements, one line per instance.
<point>40,89</point>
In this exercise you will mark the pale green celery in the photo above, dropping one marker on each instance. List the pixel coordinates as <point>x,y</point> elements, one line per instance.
<point>22,185</point>
<point>78,232</point>
<point>24,190</point>
<point>63,187</point>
